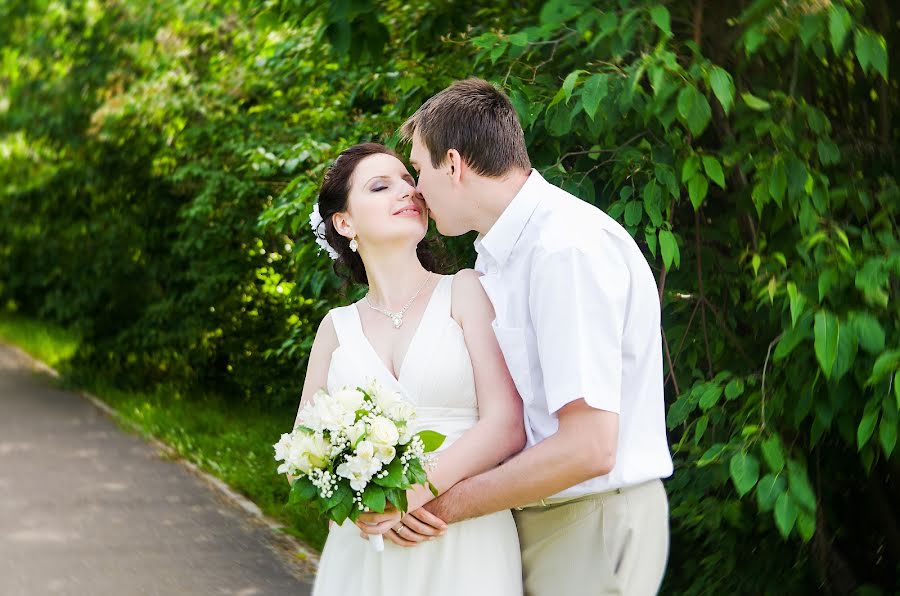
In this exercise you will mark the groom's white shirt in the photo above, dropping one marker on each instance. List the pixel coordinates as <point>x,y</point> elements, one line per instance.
<point>578,316</point>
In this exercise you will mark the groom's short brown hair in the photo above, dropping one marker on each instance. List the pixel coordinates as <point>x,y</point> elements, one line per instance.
<point>476,119</point>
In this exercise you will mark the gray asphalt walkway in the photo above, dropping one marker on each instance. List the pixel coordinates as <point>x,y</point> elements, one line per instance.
<point>86,508</point>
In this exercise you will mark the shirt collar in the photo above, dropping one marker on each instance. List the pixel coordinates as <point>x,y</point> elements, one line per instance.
<point>500,240</point>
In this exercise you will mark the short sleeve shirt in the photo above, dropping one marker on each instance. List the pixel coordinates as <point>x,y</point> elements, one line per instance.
<point>578,317</point>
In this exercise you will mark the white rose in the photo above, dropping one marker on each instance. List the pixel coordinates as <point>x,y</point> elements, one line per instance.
<point>383,432</point>
<point>282,447</point>
<point>365,450</point>
<point>318,449</point>
<point>355,432</point>
<point>384,398</point>
<point>350,399</point>
<point>333,416</point>
<point>359,470</point>
<point>385,453</point>
<point>401,411</point>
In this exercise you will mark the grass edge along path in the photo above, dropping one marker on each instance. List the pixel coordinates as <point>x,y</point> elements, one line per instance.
<point>227,441</point>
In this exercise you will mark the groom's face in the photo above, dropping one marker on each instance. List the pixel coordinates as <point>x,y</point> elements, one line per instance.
<point>438,190</point>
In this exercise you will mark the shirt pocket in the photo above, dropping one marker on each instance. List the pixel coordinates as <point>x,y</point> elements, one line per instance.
<point>513,343</point>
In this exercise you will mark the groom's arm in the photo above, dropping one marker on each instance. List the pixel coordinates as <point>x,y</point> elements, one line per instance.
<point>577,302</point>
<point>584,447</point>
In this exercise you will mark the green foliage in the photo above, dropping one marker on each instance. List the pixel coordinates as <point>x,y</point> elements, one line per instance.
<point>158,165</point>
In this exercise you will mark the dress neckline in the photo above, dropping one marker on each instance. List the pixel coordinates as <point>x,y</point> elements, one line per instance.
<point>412,342</point>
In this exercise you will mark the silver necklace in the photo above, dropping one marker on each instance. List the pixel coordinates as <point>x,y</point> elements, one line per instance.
<point>397,317</point>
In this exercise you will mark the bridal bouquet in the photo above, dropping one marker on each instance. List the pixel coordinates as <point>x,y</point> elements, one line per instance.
<point>355,451</point>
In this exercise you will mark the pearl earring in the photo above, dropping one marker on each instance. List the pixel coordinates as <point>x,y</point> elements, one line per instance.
<point>354,245</point>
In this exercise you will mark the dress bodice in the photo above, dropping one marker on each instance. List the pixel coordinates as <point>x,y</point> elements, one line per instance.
<point>435,376</point>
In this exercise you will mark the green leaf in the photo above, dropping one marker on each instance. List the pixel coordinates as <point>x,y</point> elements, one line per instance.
<point>593,92</point>
<point>827,334</point>
<point>374,498</point>
<point>700,428</point>
<point>697,189</point>
<point>341,494</point>
<point>652,194</point>
<point>769,488</point>
<point>302,489</point>
<point>755,103</point>
<point>679,411</point>
<point>714,170</point>
<point>777,181</point>
<point>341,511</point>
<point>838,26</point>
<point>846,352</point>
<point>710,396</point>
<point>806,525</point>
<point>669,248</point>
<point>569,83</point>
<point>798,301</point>
<point>416,473</point>
<point>660,16</point>
<point>800,488</point>
<point>897,388</point>
<point>633,212</point>
<point>744,472</point>
<point>785,514</point>
<point>884,365</point>
<point>773,453</point>
<point>690,168</point>
<point>868,331</point>
<point>828,152</point>
<point>887,434</point>
<point>394,476</point>
<point>734,389</point>
<point>694,109</point>
<point>431,439</point>
<point>723,87</point>
<point>867,424</point>
<point>397,498</point>
<point>712,454</point>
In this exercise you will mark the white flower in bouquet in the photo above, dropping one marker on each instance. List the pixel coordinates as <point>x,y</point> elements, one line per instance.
<point>350,400</point>
<point>360,468</point>
<point>385,398</point>
<point>356,451</point>
<point>383,432</point>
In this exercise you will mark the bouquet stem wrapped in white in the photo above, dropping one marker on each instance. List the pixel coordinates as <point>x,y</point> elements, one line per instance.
<point>355,451</point>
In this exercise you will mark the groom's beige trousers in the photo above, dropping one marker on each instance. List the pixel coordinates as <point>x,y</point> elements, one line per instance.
<point>607,543</point>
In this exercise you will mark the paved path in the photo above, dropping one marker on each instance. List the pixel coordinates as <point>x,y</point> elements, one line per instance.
<point>86,508</point>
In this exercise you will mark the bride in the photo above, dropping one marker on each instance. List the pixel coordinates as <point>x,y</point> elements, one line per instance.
<point>428,337</point>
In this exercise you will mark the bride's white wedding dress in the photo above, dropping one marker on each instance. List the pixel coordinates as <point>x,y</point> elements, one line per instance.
<point>478,556</point>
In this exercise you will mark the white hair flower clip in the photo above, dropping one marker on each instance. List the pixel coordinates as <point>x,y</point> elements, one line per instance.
<point>315,220</point>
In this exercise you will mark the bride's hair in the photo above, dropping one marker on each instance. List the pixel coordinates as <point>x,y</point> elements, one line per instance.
<point>333,197</point>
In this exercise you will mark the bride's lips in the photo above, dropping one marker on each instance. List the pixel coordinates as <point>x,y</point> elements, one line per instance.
<point>408,211</point>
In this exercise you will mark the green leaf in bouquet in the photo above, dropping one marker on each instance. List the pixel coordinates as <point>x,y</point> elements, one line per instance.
<point>341,493</point>
<point>416,473</point>
<point>305,429</point>
<point>432,488</point>
<point>394,478</point>
<point>431,439</point>
<point>374,498</point>
<point>341,510</point>
<point>302,490</point>
<point>397,498</point>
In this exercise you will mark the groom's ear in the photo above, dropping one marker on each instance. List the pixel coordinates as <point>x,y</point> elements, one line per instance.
<point>343,225</point>
<point>455,166</point>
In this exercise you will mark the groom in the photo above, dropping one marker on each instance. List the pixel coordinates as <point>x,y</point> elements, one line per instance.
<point>578,320</point>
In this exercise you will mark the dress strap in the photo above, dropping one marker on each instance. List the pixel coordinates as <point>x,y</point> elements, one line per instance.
<point>442,295</point>
<point>345,323</point>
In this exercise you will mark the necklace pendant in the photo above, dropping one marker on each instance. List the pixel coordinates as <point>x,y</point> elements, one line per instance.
<point>397,320</point>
